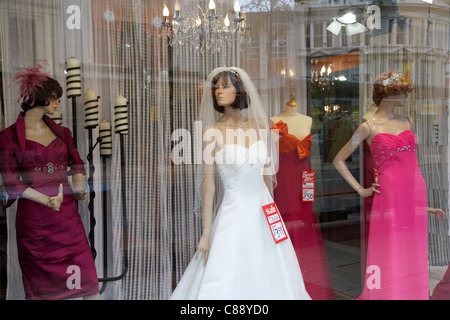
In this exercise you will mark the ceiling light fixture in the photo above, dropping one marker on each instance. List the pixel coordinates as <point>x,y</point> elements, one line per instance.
<point>347,20</point>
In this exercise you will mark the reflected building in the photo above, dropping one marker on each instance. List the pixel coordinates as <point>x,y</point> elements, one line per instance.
<point>292,50</point>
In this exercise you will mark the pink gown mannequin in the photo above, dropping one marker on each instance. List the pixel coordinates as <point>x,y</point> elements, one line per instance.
<point>397,254</point>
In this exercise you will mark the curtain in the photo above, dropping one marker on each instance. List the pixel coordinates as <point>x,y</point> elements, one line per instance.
<point>32,31</point>
<point>138,70</point>
<point>191,63</point>
<point>122,53</point>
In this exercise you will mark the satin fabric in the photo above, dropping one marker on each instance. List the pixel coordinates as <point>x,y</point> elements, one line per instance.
<point>397,254</point>
<point>300,218</point>
<point>244,262</point>
<point>442,289</point>
<point>53,249</point>
<point>289,142</point>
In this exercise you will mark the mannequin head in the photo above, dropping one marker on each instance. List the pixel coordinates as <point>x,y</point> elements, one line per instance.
<point>393,85</point>
<point>43,96</point>
<point>37,89</point>
<point>230,82</point>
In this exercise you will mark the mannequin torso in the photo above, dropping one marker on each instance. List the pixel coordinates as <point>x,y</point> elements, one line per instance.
<point>299,125</point>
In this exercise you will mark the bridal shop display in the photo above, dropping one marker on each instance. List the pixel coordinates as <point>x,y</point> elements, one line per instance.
<point>224,150</point>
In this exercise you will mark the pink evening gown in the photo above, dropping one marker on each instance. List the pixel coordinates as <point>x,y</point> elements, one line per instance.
<point>397,254</point>
<point>299,217</point>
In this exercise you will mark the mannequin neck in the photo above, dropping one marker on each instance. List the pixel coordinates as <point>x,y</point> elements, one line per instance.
<point>289,111</point>
<point>33,117</point>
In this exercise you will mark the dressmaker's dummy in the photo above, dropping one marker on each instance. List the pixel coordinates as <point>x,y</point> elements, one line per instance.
<point>299,125</point>
<point>300,219</point>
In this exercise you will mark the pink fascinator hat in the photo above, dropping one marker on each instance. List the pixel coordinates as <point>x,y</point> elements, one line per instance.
<point>30,79</point>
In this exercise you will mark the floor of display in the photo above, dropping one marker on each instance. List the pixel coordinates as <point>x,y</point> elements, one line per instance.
<point>343,256</point>
<point>345,268</point>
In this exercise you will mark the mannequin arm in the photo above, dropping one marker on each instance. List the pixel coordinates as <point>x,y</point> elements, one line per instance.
<point>268,184</point>
<point>436,211</point>
<point>208,190</point>
<point>51,202</point>
<point>339,161</point>
<point>77,185</point>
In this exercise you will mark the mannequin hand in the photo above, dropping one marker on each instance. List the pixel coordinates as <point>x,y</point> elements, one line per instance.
<point>437,211</point>
<point>55,202</point>
<point>80,194</point>
<point>369,191</point>
<point>203,247</point>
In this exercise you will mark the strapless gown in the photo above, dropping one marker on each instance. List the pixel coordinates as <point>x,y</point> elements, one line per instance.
<point>397,254</point>
<point>301,220</point>
<point>244,262</point>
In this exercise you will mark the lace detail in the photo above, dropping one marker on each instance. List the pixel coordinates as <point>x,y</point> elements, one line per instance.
<point>383,151</point>
<point>233,158</point>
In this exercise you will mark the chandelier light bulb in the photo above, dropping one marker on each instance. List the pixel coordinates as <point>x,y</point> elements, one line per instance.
<point>226,21</point>
<point>176,9</point>
<point>237,7</point>
<point>165,14</point>
<point>212,9</point>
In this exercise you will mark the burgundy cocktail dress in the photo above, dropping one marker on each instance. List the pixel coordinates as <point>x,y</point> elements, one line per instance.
<point>54,253</point>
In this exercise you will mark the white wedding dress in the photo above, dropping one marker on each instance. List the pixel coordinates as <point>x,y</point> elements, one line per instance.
<point>244,261</point>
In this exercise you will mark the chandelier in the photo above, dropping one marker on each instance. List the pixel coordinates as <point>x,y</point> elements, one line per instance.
<point>203,27</point>
<point>321,78</point>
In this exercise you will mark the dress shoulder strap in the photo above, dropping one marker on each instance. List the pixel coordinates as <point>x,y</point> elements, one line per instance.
<point>409,121</point>
<point>368,125</point>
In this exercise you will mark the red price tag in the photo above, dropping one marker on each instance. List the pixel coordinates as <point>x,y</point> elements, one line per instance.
<point>276,225</point>
<point>308,186</point>
<point>375,175</point>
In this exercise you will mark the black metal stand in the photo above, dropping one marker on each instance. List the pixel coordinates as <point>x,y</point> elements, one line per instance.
<point>105,222</point>
<point>124,220</point>
<point>74,121</point>
<point>91,190</point>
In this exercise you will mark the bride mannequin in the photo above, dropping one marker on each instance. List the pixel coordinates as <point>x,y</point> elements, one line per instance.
<point>397,243</point>
<point>236,256</point>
